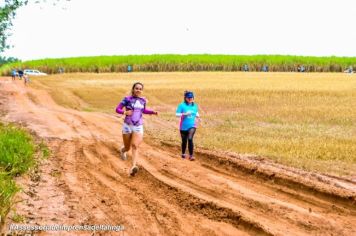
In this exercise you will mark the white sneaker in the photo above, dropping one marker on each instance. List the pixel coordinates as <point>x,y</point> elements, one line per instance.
<point>123,154</point>
<point>133,171</point>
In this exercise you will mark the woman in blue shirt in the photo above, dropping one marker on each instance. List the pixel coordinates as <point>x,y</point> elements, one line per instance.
<point>188,112</point>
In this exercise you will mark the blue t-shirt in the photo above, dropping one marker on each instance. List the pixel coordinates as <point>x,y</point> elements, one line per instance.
<point>187,122</point>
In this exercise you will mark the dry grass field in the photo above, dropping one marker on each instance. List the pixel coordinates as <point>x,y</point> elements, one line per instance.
<point>306,120</point>
<point>236,186</point>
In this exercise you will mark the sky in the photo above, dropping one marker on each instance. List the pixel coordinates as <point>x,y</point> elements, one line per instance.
<point>133,27</point>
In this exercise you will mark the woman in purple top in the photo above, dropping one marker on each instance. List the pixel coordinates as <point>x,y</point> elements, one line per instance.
<point>132,130</point>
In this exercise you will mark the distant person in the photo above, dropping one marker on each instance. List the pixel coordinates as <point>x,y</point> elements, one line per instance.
<point>349,70</point>
<point>26,79</point>
<point>188,112</point>
<point>133,107</point>
<point>20,74</point>
<point>129,68</point>
<point>60,70</point>
<point>264,68</point>
<point>301,68</point>
<point>13,74</point>
<point>245,68</point>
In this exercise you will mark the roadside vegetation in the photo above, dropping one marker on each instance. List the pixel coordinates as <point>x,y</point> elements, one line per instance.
<point>5,60</point>
<point>306,120</point>
<point>17,156</point>
<point>166,63</point>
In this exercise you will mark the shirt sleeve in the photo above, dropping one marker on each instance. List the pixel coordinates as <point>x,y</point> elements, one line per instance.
<point>148,111</point>
<point>121,105</point>
<point>179,111</point>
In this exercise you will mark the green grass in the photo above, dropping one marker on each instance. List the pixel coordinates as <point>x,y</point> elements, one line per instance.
<point>8,189</point>
<point>16,150</point>
<point>16,157</point>
<point>172,62</point>
<point>43,148</point>
<point>17,218</point>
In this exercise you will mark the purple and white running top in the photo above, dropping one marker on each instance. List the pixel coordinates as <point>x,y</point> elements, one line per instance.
<point>137,105</point>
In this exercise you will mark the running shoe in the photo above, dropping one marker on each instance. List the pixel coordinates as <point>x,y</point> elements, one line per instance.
<point>183,156</point>
<point>191,158</point>
<point>133,171</point>
<point>123,154</point>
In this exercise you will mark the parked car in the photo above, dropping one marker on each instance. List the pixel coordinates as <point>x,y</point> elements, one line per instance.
<point>33,72</point>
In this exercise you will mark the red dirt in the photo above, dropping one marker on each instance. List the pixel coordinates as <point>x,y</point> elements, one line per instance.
<point>85,182</point>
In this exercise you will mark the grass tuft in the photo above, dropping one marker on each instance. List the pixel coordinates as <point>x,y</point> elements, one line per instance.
<point>16,157</point>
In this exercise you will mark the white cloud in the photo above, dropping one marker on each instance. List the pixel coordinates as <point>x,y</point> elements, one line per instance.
<point>116,27</point>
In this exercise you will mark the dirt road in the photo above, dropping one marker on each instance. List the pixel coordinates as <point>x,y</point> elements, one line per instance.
<point>85,182</point>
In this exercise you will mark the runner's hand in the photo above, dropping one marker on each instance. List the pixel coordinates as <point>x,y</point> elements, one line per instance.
<point>199,123</point>
<point>128,112</point>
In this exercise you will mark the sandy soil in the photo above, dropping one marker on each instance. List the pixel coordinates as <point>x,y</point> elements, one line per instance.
<point>86,183</point>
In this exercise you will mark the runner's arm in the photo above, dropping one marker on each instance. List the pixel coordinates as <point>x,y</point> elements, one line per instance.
<point>149,112</point>
<point>119,108</point>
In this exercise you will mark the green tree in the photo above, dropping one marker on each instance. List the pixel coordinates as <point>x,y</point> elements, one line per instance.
<point>4,60</point>
<point>7,14</point>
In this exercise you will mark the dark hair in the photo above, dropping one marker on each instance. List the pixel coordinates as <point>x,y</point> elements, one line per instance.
<point>134,85</point>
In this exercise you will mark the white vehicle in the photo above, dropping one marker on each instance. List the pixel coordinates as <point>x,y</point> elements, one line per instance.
<point>33,72</point>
